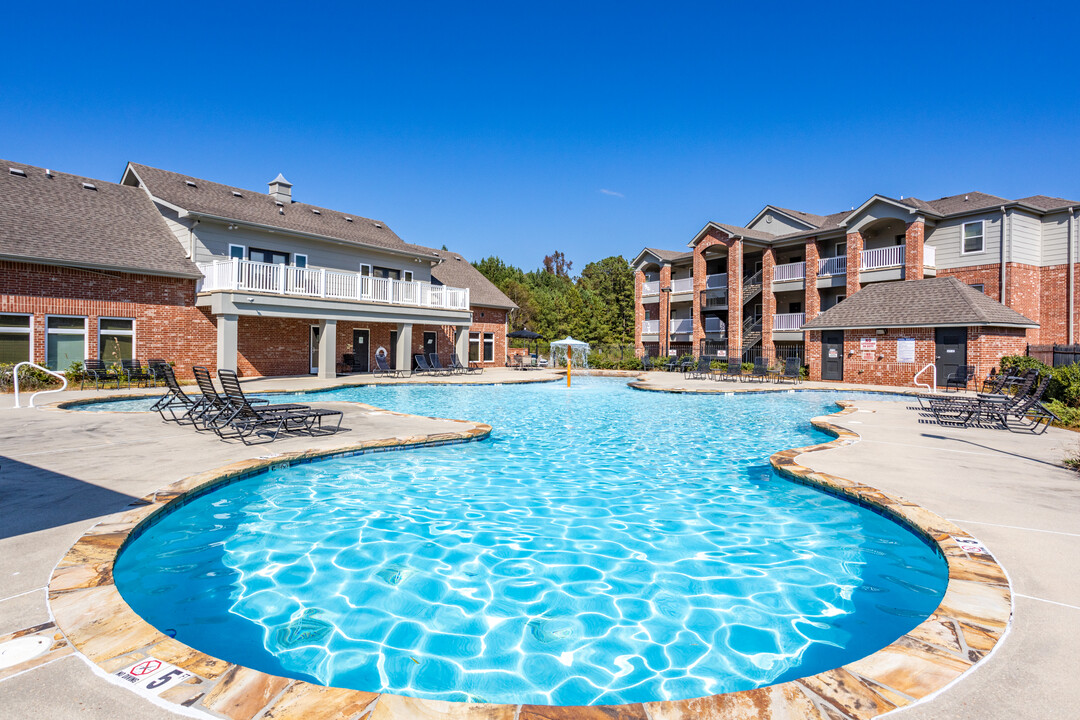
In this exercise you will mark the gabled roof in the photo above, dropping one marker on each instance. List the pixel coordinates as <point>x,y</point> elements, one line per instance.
<point>1046,203</point>
<point>56,219</point>
<point>663,255</point>
<point>202,197</point>
<point>968,202</point>
<point>733,231</point>
<point>456,271</point>
<point>935,302</point>
<point>804,218</point>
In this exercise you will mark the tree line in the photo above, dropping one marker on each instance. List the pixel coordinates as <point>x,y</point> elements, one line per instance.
<point>596,306</point>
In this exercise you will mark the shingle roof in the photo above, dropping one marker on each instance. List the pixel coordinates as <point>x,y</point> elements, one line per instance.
<point>1045,202</point>
<point>456,271</point>
<point>57,220</point>
<point>933,302</point>
<point>744,232</point>
<point>210,198</point>
<point>968,202</point>
<point>670,255</point>
<point>815,220</point>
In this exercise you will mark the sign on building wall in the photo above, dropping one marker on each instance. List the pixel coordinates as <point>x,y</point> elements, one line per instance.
<point>868,344</point>
<point>868,355</point>
<point>905,350</point>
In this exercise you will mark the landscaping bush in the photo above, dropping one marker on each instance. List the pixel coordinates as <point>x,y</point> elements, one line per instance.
<point>630,363</point>
<point>30,378</point>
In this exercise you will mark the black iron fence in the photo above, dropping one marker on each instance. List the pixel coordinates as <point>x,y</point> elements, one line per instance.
<point>1055,355</point>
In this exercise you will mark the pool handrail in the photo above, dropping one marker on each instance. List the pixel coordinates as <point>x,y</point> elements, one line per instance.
<point>15,381</point>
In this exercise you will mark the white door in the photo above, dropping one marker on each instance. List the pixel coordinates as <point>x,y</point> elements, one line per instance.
<point>314,350</point>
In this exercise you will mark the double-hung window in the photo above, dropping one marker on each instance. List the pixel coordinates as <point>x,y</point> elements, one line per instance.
<point>972,233</point>
<point>489,347</point>
<point>65,341</point>
<point>15,338</point>
<point>474,347</point>
<point>116,339</point>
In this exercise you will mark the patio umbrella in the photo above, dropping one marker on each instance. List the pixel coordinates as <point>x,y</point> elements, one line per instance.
<point>526,334</point>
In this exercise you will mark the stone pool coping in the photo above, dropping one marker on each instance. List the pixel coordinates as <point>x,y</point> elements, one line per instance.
<point>972,617</point>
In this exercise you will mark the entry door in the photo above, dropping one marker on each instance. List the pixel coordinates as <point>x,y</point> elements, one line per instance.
<point>951,346</point>
<point>361,339</point>
<point>314,350</point>
<point>429,344</point>
<point>393,350</point>
<point>832,356</point>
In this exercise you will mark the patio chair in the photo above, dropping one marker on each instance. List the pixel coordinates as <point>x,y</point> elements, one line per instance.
<point>469,369</point>
<point>154,367</point>
<point>243,419</point>
<point>701,370</point>
<point>437,366</point>
<point>383,368</point>
<point>969,411</point>
<point>761,370</point>
<point>994,382</point>
<point>960,379</point>
<point>422,366</point>
<point>174,400</point>
<point>134,370</point>
<point>1025,413</point>
<point>792,371</point>
<point>735,371</point>
<point>99,372</point>
<point>646,362</point>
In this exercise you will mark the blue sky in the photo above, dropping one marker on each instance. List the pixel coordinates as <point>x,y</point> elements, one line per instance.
<point>517,129</point>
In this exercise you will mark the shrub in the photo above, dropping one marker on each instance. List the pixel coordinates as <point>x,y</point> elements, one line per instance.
<point>720,365</point>
<point>30,378</point>
<point>1069,416</point>
<point>630,362</point>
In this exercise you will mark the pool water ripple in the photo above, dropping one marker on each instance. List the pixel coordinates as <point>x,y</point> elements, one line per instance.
<point>604,546</point>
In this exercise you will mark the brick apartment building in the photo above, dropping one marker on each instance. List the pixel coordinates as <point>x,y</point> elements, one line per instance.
<point>751,291</point>
<point>163,265</point>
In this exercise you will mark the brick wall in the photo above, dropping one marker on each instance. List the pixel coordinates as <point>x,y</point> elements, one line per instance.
<point>913,250</point>
<point>854,260</point>
<point>989,276</point>
<point>812,296</point>
<point>1023,293</point>
<point>1054,305</point>
<point>986,347</point>
<point>490,320</point>
<point>167,323</point>
<point>768,301</point>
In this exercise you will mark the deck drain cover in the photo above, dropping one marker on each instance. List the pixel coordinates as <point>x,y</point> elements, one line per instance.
<point>22,649</point>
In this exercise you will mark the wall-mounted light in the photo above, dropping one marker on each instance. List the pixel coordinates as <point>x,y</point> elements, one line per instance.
<point>881,332</point>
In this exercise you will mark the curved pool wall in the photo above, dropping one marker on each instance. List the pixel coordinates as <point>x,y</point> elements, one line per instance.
<point>976,602</point>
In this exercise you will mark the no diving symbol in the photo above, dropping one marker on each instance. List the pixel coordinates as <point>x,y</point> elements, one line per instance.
<point>146,668</point>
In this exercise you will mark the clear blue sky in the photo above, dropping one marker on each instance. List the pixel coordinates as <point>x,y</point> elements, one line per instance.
<point>518,128</point>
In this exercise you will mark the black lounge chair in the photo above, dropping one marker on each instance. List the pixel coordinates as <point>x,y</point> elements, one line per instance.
<point>456,364</point>
<point>99,372</point>
<point>154,366</point>
<point>134,371</point>
<point>646,362</point>
<point>437,366</point>
<point>242,419</point>
<point>701,370</point>
<point>174,400</point>
<point>383,368</point>
<point>422,366</point>
<point>761,370</point>
<point>792,371</point>
<point>982,408</point>
<point>960,379</point>
<point>735,371</point>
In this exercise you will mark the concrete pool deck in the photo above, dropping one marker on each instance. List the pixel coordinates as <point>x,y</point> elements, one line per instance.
<point>64,471</point>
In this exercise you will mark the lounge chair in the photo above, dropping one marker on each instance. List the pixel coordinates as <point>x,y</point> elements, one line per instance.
<point>437,366</point>
<point>134,370</point>
<point>99,372</point>
<point>424,368</point>
<point>960,379</point>
<point>174,400</point>
<point>735,371</point>
<point>968,411</point>
<point>761,369</point>
<point>455,363</point>
<point>242,419</point>
<point>646,362</point>
<point>383,368</point>
<point>701,370</point>
<point>154,367</point>
<point>792,371</point>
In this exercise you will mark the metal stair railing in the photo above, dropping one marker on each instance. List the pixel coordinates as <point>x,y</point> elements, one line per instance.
<point>15,381</point>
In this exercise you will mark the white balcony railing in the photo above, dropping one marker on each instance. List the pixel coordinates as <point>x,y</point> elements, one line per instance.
<point>929,256</point>
<point>716,282</point>
<point>681,326</point>
<point>651,287</point>
<point>833,266</point>
<point>682,285</point>
<point>250,276</point>
<point>788,321</point>
<point>650,327</point>
<point>885,257</point>
<point>791,271</point>
<point>714,325</point>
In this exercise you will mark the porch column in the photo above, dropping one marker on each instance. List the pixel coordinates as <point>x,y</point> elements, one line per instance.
<point>639,311</point>
<point>665,308</point>
<point>698,338</point>
<point>768,303</point>
<point>811,295</point>
<point>327,349</point>
<point>461,344</point>
<point>404,347</point>
<point>227,346</point>
<point>854,261</point>
<point>734,303</point>
<point>913,249</point>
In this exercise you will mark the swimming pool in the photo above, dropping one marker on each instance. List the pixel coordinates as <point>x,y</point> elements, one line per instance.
<point>604,546</point>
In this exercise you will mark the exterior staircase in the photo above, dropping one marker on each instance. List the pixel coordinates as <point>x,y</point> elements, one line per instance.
<point>751,287</point>
<point>751,333</point>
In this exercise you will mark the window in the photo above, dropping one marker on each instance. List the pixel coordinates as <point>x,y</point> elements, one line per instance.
<point>795,307</point>
<point>979,286</point>
<point>116,339</point>
<point>973,237</point>
<point>899,240</point>
<point>648,315</point>
<point>408,276</point>
<point>365,270</point>
<point>474,347</point>
<point>384,272</point>
<point>489,347</point>
<point>841,249</point>
<point>65,341</point>
<point>840,299</point>
<point>300,260</point>
<point>268,256</point>
<point>237,252</point>
<point>14,338</point>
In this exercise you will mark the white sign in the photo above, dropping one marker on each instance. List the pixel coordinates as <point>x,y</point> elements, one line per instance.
<point>868,344</point>
<point>905,350</point>
<point>152,676</point>
<point>971,546</point>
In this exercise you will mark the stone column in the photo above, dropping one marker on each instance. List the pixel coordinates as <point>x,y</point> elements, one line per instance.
<point>768,303</point>
<point>811,295</point>
<point>665,307</point>
<point>327,349</point>
<point>639,311</point>
<point>699,292</point>
<point>734,284</point>
<point>227,341</point>
<point>461,344</point>
<point>913,249</point>
<point>404,347</point>
<point>854,259</point>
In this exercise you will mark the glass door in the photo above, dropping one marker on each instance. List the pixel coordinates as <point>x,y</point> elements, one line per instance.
<point>314,350</point>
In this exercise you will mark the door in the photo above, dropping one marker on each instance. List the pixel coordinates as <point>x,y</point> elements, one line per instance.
<point>951,351</point>
<point>832,355</point>
<point>313,350</point>
<point>393,350</point>
<point>361,339</point>
<point>429,344</point>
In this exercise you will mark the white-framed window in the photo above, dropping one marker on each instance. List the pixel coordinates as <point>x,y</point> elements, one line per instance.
<point>971,235</point>
<point>65,341</point>
<point>365,269</point>
<point>300,260</point>
<point>841,249</point>
<point>237,252</point>
<point>489,347</point>
<point>474,347</point>
<point>407,275</point>
<point>116,339</point>
<point>981,287</point>
<point>16,338</point>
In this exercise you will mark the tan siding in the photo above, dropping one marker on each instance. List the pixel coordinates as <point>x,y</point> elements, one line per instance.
<point>1055,238</point>
<point>776,224</point>
<point>1025,238</point>
<point>945,238</point>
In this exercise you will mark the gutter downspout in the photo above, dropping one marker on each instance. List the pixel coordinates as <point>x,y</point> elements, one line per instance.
<point>191,241</point>
<point>1072,269</point>
<point>1004,237</point>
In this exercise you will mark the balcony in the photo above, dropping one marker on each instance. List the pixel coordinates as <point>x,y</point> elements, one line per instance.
<point>652,287</point>
<point>716,282</point>
<point>791,271</point>
<point>879,258</point>
<point>682,285</point>
<point>249,276</point>
<point>832,266</point>
<point>714,325</point>
<point>786,322</point>
<point>650,327</point>
<point>681,326</point>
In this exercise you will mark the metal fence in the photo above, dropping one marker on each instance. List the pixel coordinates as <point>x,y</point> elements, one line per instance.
<point>1055,355</point>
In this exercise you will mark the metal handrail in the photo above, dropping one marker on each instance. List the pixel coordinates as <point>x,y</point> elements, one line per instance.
<point>15,380</point>
<point>915,380</point>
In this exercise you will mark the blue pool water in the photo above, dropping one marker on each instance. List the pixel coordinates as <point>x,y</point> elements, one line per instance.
<point>605,545</point>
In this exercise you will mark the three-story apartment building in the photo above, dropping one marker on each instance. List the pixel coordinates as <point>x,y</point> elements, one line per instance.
<point>172,266</point>
<point>747,291</point>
